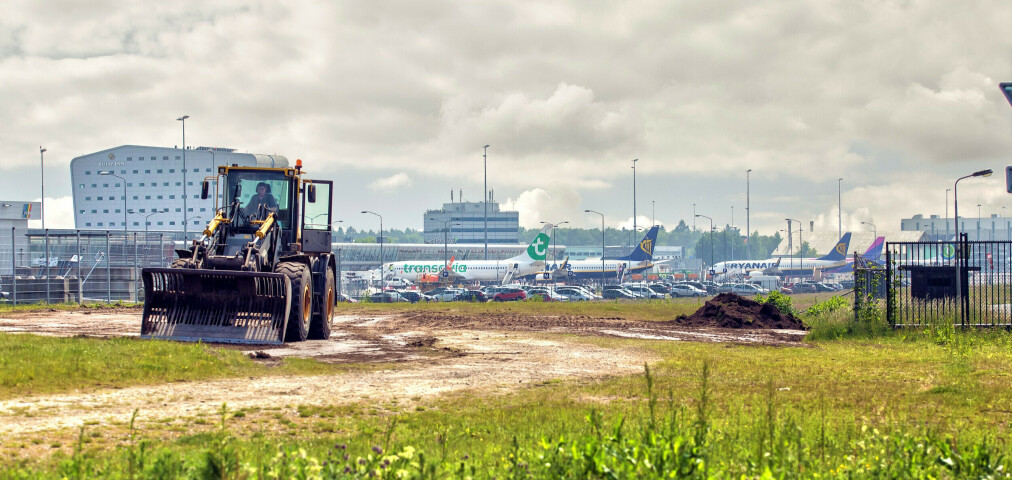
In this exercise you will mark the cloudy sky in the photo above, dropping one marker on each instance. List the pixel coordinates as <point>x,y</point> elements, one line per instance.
<point>394,100</point>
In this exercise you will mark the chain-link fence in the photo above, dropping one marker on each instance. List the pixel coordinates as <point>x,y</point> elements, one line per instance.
<point>79,266</point>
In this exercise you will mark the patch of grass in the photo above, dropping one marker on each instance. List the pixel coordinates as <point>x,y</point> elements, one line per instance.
<point>33,307</point>
<point>647,310</point>
<point>35,364</point>
<point>906,405</point>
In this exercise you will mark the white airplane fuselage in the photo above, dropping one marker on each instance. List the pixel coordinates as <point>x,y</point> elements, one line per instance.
<point>468,271</point>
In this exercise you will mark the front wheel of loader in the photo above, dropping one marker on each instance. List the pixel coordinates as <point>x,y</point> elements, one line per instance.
<point>319,329</point>
<point>302,300</point>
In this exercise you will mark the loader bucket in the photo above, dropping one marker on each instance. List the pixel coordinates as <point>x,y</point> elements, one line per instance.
<point>215,305</point>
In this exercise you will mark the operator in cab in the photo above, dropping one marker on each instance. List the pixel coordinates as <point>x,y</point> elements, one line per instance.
<point>262,198</point>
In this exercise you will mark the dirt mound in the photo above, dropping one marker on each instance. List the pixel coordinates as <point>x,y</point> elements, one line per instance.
<point>729,310</point>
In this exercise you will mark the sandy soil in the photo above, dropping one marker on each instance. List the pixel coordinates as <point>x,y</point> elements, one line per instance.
<point>440,353</point>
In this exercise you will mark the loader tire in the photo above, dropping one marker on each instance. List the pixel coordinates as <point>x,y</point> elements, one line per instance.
<point>319,328</point>
<point>302,300</point>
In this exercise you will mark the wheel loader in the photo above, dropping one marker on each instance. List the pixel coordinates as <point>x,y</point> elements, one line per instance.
<point>261,273</point>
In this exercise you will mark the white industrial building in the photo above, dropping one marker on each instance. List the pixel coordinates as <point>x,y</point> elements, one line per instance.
<point>14,216</point>
<point>993,227</point>
<point>153,178</point>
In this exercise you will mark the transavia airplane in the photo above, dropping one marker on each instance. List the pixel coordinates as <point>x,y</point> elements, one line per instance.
<point>590,269</point>
<point>527,263</point>
<point>873,256</point>
<point>786,265</point>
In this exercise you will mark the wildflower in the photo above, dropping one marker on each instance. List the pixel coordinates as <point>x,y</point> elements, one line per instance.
<point>466,456</point>
<point>346,457</point>
<point>377,449</point>
<point>361,461</point>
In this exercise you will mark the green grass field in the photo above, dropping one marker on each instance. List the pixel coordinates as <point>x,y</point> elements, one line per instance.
<point>931,403</point>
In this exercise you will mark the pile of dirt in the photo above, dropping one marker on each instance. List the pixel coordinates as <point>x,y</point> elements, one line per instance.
<point>729,310</point>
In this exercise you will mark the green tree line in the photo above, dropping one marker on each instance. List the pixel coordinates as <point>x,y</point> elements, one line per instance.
<point>694,243</point>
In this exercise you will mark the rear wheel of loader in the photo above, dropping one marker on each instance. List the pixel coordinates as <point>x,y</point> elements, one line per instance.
<point>302,300</point>
<point>319,329</point>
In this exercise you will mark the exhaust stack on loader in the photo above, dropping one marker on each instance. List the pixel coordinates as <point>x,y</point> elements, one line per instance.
<point>263,271</point>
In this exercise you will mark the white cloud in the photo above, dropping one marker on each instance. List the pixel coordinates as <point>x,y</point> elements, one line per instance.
<point>540,205</point>
<point>566,93</point>
<point>391,183</point>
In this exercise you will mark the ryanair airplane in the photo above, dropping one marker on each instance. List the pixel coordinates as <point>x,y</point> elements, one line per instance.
<point>636,261</point>
<point>787,265</point>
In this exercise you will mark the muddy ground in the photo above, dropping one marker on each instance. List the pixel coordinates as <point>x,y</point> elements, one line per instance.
<point>433,353</point>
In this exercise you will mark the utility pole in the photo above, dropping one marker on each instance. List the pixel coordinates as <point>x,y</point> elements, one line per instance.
<point>748,214</point>
<point>186,236</point>
<point>634,191</point>
<point>485,163</point>
<point>42,183</point>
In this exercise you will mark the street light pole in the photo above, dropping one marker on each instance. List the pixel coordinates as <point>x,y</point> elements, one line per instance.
<point>873,229</point>
<point>109,173</point>
<point>186,235</point>
<point>978,223</point>
<point>653,213</point>
<point>947,213</point>
<point>42,183</point>
<point>963,304</point>
<point>839,208</point>
<point>955,194</point>
<point>634,191</point>
<point>380,242</point>
<point>801,243</point>
<point>711,238</point>
<point>484,157</point>
<point>748,213</point>
<point>602,247</point>
<point>446,226</point>
<point>725,235</point>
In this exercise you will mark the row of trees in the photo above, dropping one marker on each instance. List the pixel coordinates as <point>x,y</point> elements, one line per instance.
<point>728,242</point>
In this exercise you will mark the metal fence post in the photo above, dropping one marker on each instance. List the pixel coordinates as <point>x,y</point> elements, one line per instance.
<point>890,288</point>
<point>135,276</point>
<point>47,265</point>
<point>108,268</point>
<point>14,269</point>
<point>80,279</point>
<point>339,276</point>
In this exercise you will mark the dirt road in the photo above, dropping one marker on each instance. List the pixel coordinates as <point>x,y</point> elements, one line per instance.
<point>440,353</point>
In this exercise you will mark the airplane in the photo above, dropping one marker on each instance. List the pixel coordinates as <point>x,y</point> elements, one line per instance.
<point>786,265</point>
<point>590,269</point>
<point>872,256</point>
<point>527,263</point>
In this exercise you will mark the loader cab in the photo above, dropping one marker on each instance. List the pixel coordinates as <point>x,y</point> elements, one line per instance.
<point>258,191</point>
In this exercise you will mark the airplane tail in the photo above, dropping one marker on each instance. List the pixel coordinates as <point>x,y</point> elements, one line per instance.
<point>645,250</point>
<point>538,248</point>
<point>839,253</point>
<point>875,250</point>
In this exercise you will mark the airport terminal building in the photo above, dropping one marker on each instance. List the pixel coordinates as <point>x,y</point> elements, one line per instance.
<point>469,217</point>
<point>146,181</point>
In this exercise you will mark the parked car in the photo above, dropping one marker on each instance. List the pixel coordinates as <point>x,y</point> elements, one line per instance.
<point>574,293</point>
<point>346,299</point>
<point>389,296</point>
<point>746,289</point>
<point>510,294</point>
<point>804,288</point>
<point>471,296</point>
<point>619,293</point>
<point>686,290</point>
<point>414,296</point>
<point>444,294</point>
<point>644,291</point>
<point>724,288</point>
<point>660,288</point>
<point>546,295</point>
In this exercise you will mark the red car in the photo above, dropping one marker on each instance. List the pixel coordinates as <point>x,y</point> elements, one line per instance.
<point>510,295</point>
